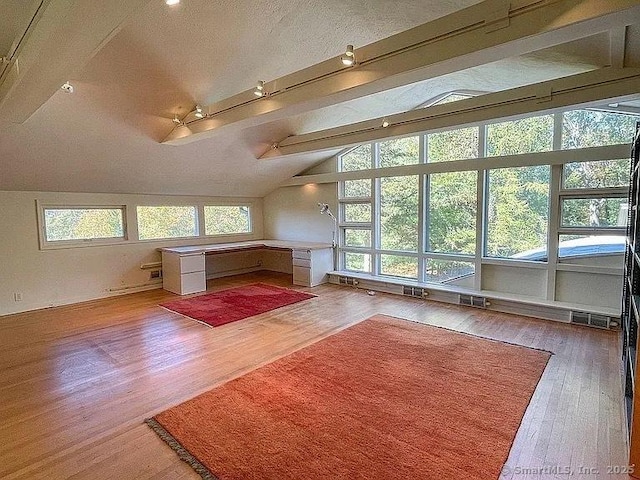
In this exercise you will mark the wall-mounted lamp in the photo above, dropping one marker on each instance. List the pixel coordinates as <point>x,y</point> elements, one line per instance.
<point>259,91</point>
<point>349,57</point>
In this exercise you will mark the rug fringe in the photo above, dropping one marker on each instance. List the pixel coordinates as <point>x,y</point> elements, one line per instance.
<point>183,454</point>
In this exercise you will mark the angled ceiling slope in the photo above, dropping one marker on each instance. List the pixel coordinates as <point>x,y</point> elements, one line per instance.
<point>486,32</point>
<point>53,39</point>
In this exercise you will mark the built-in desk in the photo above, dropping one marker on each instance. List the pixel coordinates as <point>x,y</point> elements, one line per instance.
<point>184,272</point>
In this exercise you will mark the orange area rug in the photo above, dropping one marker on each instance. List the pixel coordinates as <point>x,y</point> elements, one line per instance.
<point>384,399</point>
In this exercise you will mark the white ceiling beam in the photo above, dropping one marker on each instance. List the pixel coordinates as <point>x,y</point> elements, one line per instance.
<point>61,38</point>
<point>617,45</point>
<point>582,89</point>
<point>609,152</point>
<point>486,32</point>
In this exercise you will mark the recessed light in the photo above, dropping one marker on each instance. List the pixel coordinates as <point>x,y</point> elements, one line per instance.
<point>67,87</point>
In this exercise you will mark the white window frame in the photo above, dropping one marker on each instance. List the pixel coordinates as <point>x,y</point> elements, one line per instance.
<point>45,244</point>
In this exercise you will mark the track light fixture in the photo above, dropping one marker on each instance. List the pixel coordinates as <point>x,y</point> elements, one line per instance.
<point>349,57</point>
<point>385,123</point>
<point>176,120</point>
<point>199,113</point>
<point>259,91</point>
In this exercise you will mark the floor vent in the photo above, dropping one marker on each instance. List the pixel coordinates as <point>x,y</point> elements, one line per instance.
<point>418,292</point>
<point>590,319</point>
<point>473,301</point>
<point>348,281</point>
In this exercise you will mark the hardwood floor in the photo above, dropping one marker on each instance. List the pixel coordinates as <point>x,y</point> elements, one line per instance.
<point>76,382</point>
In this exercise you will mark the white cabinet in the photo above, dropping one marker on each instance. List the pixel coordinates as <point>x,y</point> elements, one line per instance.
<point>310,267</point>
<point>183,274</point>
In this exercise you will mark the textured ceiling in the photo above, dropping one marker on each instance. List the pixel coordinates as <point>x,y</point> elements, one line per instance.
<point>105,137</point>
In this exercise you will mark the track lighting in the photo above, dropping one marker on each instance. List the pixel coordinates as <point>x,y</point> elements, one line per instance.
<point>349,57</point>
<point>199,113</point>
<point>385,123</point>
<point>259,91</point>
<point>176,120</point>
<point>67,87</point>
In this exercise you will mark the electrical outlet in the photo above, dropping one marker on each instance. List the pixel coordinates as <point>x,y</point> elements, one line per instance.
<point>17,297</point>
<point>156,274</point>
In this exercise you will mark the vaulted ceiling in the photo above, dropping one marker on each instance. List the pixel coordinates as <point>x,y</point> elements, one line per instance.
<point>134,64</point>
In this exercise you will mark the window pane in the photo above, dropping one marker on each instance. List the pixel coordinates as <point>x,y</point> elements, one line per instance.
<point>399,266</point>
<point>357,262</point>
<point>167,222</point>
<point>399,213</point>
<point>594,212</point>
<point>357,212</point>
<point>589,128</point>
<point>527,135</point>
<point>453,145</point>
<point>357,159</point>
<point>357,188</point>
<point>61,224</point>
<point>357,238</point>
<point>226,220</point>
<point>452,97</point>
<point>603,174</point>
<point>518,213</point>
<point>400,151</point>
<point>446,271</point>
<point>571,246</point>
<point>452,212</point>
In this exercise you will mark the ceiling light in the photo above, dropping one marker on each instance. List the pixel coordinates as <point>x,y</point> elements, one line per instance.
<point>199,113</point>
<point>176,120</point>
<point>172,2</point>
<point>259,91</point>
<point>385,123</point>
<point>67,87</point>
<point>349,57</point>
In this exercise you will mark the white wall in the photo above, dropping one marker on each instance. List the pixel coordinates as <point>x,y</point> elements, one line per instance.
<point>60,276</point>
<point>292,213</point>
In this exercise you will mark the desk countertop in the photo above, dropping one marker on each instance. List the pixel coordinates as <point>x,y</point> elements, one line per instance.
<point>251,244</point>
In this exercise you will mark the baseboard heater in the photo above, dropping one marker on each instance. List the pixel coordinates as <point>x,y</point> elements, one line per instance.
<point>473,301</point>
<point>591,319</point>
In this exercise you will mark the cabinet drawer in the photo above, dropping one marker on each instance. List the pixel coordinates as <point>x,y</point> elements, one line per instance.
<point>192,283</point>
<point>301,276</point>
<point>192,263</point>
<point>301,262</point>
<point>304,254</point>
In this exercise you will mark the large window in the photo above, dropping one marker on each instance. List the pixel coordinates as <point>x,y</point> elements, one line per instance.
<point>227,220</point>
<point>528,135</point>
<point>453,145</point>
<point>452,212</point>
<point>518,213</point>
<point>400,151</point>
<point>592,128</point>
<point>399,213</point>
<point>444,224</point>
<point>77,225</point>
<point>167,222</point>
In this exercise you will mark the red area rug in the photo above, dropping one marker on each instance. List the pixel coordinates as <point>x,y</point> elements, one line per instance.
<point>384,399</point>
<point>234,304</point>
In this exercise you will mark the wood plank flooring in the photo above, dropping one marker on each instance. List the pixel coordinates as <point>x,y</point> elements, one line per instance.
<point>76,382</point>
